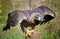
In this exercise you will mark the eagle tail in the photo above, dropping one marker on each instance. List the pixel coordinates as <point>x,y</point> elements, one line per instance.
<point>6,27</point>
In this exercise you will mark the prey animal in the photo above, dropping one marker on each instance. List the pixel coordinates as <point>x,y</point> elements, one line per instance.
<point>29,18</point>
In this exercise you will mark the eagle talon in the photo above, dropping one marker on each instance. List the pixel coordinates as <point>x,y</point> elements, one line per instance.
<point>35,30</point>
<point>29,32</point>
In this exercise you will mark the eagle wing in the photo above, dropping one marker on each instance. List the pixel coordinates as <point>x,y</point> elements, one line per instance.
<point>47,13</point>
<point>14,18</point>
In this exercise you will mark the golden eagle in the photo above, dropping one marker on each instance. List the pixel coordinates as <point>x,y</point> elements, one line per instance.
<point>29,18</point>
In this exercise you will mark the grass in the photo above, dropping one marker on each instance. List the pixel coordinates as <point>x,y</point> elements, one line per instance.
<point>50,30</point>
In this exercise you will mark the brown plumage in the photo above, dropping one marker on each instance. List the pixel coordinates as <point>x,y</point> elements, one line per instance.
<point>29,18</point>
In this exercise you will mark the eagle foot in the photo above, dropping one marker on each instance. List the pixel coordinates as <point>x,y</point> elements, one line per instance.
<point>35,30</point>
<point>30,32</point>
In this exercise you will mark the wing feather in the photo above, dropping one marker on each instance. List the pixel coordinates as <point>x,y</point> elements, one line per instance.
<point>16,17</point>
<point>13,19</point>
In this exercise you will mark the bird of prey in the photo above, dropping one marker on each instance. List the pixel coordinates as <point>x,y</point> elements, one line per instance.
<point>29,18</point>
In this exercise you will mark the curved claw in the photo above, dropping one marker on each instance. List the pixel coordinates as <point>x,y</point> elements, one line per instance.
<point>35,30</point>
<point>29,32</point>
